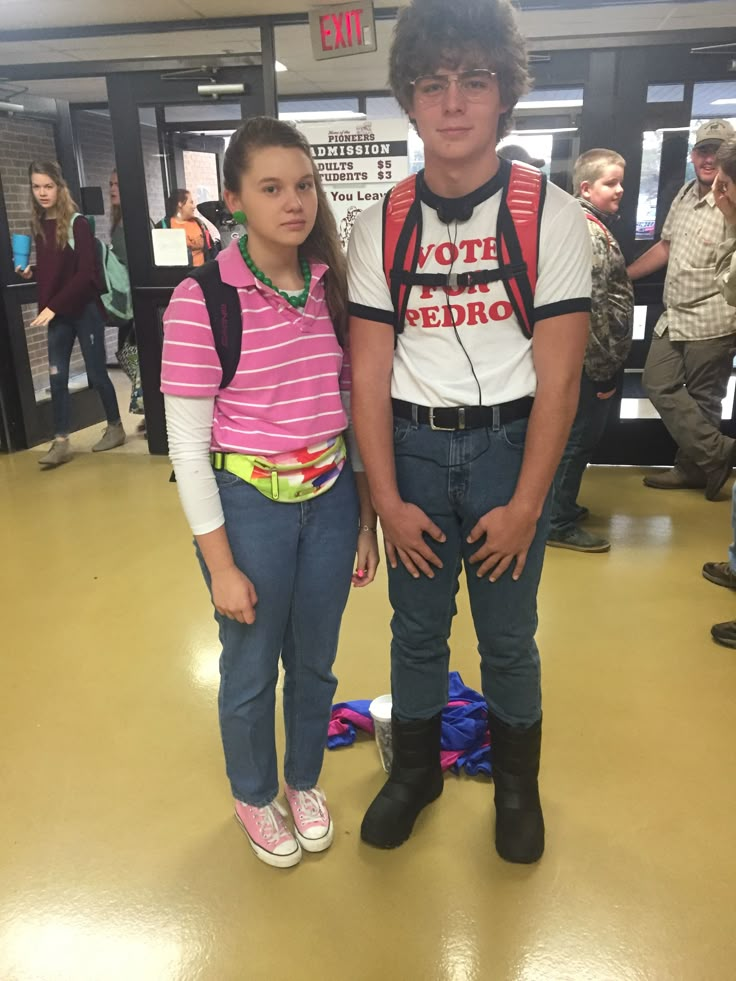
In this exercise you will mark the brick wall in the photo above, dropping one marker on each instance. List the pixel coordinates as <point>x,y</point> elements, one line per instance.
<point>94,136</point>
<point>200,175</point>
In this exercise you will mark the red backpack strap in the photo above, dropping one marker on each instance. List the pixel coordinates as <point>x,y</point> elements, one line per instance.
<point>401,242</point>
<point>518,238</point>
<point>599,223</point>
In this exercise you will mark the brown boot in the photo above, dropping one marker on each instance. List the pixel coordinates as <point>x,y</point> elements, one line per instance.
<point>59,452</point>
<point>113,436</point>
<point>673,479</point>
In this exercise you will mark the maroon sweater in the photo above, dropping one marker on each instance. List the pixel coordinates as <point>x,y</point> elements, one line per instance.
<point>68,278</point>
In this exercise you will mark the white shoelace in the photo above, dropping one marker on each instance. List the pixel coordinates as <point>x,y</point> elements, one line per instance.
<point>269,823</point>
<point>311,805</point>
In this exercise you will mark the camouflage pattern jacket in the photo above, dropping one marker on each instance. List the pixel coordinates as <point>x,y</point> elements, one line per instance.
<point>612,308</point>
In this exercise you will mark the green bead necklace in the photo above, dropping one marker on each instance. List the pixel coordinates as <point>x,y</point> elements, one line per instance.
<point>295,301</point>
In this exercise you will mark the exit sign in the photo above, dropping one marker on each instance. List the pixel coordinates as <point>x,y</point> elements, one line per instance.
<point>342,29</point>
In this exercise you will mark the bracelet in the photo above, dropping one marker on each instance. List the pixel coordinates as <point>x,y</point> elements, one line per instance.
<point>367,528</point>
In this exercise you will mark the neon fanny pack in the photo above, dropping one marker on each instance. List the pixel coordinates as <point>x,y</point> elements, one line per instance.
<point>308,475</point>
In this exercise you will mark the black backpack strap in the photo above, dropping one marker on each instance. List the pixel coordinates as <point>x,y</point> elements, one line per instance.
<point>463,280</point>
<point>223,310</point>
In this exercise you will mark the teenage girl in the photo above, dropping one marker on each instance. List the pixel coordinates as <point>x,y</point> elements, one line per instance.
<point>69,288</point>
<point>265,481</point>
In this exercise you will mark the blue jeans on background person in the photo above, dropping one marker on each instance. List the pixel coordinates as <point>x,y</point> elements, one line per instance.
<point>587,430</point>
<point>89,327</point>
<point>300,558</point>
<point>456,478</point>
<point>732,546</point>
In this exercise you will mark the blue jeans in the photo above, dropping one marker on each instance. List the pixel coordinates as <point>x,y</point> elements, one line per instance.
<point>300,559</point>
<point>455,478</point>
<point>732,546</point>
<point>586,433</point>
<point>90,329</point>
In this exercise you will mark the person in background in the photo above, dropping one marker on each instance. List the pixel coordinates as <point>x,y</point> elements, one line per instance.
<point>128,358</point>
<point>513,151</point>
<point>181,213</point>
<point>724,192</point>
<point>69,289</point>
<point>117,235</point>
<point>598,182</point>
<point>689,361</point>
<point>274,509</point>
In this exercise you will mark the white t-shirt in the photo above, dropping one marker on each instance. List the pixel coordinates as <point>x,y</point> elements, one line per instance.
<point>430,367</point>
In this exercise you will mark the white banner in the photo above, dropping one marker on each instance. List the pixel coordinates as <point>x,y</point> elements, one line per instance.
<point>358,162</point>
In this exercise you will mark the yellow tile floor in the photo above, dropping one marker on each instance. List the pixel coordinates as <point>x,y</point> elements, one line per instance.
<point>119,856</point>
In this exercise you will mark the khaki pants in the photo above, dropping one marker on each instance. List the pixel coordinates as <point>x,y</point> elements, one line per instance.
<point>686,381</point>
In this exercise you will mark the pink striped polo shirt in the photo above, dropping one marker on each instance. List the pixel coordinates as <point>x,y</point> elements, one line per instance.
<point>285,394</point>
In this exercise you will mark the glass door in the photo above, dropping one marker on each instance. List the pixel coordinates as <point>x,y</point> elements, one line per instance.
<point>168,137</point>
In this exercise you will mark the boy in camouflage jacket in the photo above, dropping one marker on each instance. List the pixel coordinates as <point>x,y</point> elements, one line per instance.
<point>597,178</point>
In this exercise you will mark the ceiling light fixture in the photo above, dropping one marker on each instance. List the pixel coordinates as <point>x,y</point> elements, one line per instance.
<point>551,104</point>
<point>543,132</point>
<point>331,116</point>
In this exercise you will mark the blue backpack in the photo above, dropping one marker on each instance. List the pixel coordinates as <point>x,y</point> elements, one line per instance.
<point>117,298</point>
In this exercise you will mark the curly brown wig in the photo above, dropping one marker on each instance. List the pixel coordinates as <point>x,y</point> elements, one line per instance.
<point>430,34</point>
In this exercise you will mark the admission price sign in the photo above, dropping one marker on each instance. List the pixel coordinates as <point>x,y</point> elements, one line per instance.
<point>358,162</point>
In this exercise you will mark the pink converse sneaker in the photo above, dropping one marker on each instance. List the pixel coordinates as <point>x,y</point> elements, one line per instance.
<point>312,822</point>
<point>268,834</point>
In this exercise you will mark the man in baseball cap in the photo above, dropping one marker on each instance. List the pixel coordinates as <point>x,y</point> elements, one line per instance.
<point>715,131</point>
<point>691,354</point>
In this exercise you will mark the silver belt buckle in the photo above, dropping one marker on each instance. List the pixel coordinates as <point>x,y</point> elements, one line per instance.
<point>447,429</point>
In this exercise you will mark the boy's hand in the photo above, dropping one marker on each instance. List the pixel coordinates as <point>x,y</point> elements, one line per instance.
<point>404,528</point>
<point>509,533</point>
<point>26,273</point>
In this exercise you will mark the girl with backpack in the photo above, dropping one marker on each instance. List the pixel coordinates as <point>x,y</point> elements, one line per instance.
<point>69,288</point>
<point>181,213</point>
<point>265,481</point>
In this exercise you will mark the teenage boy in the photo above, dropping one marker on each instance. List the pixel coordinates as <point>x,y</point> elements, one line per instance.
<point>598,182</point>
<point>460,415</point>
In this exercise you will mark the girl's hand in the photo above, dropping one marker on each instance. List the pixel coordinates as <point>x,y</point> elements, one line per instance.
<point>44,318</point>
<point>234,595</point>
<point>367,558</point>
<point>24,273</point>
<point>721,186</point>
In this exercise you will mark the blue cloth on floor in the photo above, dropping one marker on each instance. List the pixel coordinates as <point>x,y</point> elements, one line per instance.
<point>464,739</point>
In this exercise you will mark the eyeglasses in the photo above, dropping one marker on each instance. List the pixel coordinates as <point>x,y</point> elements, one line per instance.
<point>475,85</point>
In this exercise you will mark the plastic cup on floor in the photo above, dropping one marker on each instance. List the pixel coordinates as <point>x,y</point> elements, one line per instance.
<point>21,250</point>
<point>380,710</point>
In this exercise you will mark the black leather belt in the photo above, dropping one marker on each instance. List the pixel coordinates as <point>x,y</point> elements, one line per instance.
<point>450,418</point>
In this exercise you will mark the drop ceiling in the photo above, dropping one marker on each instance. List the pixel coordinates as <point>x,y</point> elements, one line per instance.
<point>545,29</point>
